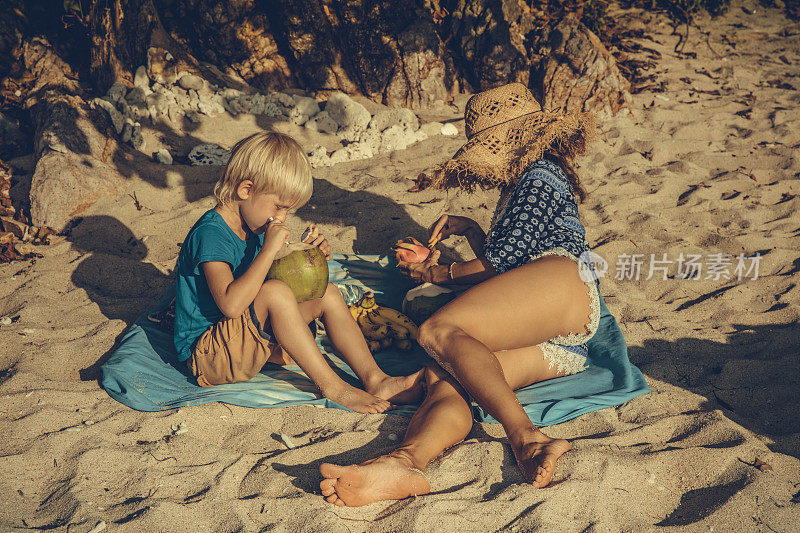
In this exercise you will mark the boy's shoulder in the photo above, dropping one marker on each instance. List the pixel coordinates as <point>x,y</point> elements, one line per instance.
<point>210,223</point>
<point>210,232</point>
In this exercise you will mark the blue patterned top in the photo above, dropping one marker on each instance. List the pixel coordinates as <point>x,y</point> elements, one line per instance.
<point>541,214</point>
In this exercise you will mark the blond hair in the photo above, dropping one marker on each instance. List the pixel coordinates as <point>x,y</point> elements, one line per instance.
<point>274,162</point>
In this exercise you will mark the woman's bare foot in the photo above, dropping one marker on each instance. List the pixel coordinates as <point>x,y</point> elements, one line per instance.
<point>385,478</point>
<point>400,390</point>
<point>356,399</point>
<point>536,455</point>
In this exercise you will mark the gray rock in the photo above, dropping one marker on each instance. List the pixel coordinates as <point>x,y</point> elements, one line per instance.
<point>283,99</point>
<point>359,150</point>
<point>347,113</point>
<point>193,116</point>
<point>371,139</point>
<point>117,91</point>
<point>393,138</point>
<point>116,117</point>
<point>137,95</point>
<point>209,107</point>
<point>190,81</point>
<point>303,109</point>
<point>137,141</point>
<point>398,116</point>
<point>396,138</point>
<point>431,128</point>
<point>162,156</point>
<point>138,112</point>
<point>318,157</point>
<point>209,154</point>
<point>127,130</point>
<point>322,122</point>
<point>140,79</point>
<point>157,105</point>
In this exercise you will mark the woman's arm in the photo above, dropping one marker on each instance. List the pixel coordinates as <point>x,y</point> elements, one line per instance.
<point>467,273</point>
<point>476,239</point>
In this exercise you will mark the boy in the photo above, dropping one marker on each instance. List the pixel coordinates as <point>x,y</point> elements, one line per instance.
<point>229,321</point>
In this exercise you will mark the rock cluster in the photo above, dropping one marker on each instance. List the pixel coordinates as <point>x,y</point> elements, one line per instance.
<point>362,134</point>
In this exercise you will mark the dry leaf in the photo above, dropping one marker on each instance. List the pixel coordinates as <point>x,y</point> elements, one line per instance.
<point>762,465</point>
<point>421,183</point>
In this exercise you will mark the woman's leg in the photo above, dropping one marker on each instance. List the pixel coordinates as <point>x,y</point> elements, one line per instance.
<point>276,303</point>
<point>346,337</point>
<point>523,307</point>
<point>442,421</point>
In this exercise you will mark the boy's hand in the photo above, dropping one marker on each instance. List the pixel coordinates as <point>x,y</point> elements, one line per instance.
<point>275,237</point>
<point>313,237</point>
<point>323,245</point>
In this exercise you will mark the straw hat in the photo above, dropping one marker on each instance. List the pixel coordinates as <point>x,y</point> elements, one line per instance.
<point>507,130</point>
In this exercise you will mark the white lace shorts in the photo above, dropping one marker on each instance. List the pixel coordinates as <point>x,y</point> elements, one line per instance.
<point>567,353</point>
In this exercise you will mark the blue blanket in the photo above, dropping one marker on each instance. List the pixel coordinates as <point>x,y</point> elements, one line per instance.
<point>144,373</point>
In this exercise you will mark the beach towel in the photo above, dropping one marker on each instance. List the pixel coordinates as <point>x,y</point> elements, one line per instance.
<point>143,371</point>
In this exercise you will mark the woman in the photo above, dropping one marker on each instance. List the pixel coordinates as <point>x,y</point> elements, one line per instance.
<point>528,318</point>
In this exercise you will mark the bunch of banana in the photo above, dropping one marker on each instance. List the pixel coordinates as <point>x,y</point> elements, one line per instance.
<point>382,326</point>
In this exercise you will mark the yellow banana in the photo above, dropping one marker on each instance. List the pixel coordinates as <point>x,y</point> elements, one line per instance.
<point>375,331</point>
<point>382,324</point>
<point>376,317</point>
<point>355,310</point>
<point>399,320</point>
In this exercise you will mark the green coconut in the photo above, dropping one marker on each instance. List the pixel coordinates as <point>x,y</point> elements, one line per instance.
<point>303,268</point>
<point>424,300</point>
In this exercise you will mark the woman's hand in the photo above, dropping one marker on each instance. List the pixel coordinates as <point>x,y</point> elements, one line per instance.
<point>449,225</point>
<point>421,272</point>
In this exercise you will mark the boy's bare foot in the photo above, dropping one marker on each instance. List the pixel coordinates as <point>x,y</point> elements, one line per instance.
<point>400,390</point>
<point>356,399</point>
<point>385,478</point>
<point>536,455</point>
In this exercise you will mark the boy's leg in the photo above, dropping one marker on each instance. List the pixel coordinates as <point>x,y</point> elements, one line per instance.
<point>443,420</point>
<point>346,336</point>
<point>276,303</point>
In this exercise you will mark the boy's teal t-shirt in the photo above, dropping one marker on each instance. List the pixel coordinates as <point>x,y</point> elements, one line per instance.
<point>210,239</point>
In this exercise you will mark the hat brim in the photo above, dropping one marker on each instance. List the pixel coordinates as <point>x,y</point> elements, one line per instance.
<point>491,159</point>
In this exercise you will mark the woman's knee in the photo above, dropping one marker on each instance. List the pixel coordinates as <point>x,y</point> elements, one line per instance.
<point>435,333</point>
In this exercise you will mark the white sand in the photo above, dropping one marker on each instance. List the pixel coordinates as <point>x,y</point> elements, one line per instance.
<point>720,355</point>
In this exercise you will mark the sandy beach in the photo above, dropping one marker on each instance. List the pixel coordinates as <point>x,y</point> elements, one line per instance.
<point>708,165</point>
